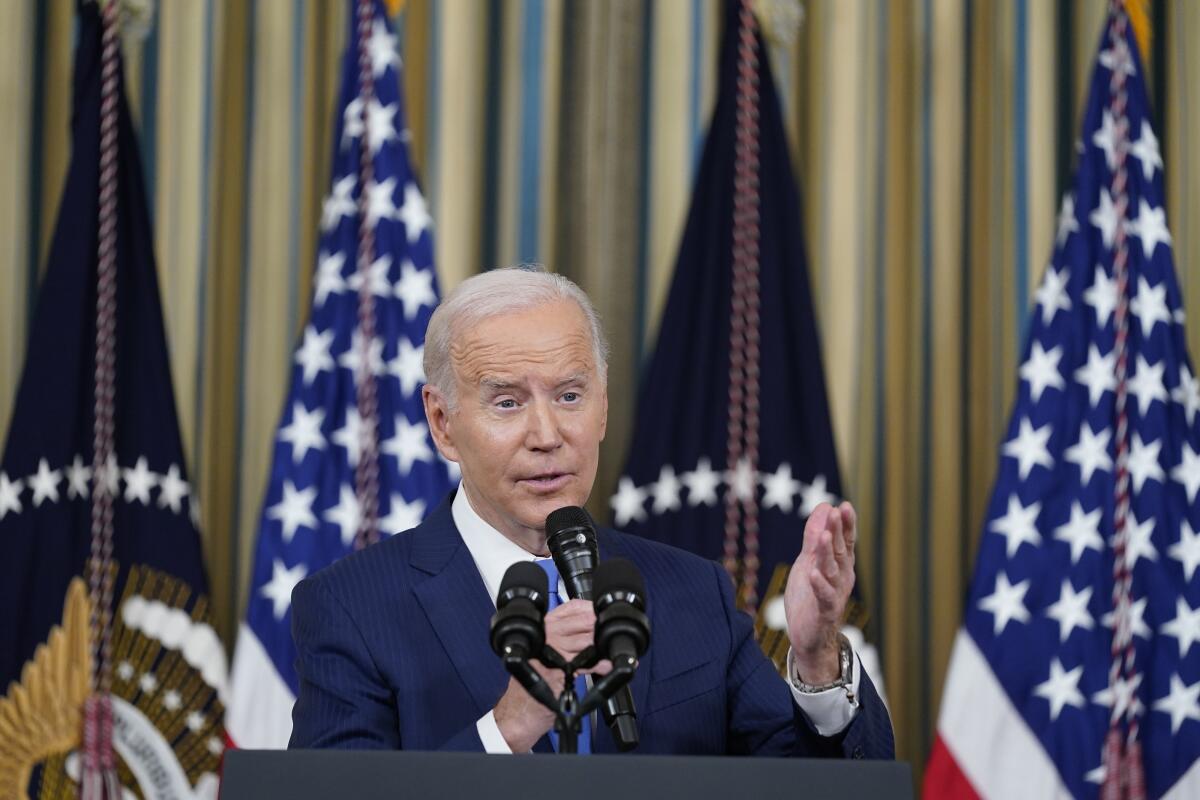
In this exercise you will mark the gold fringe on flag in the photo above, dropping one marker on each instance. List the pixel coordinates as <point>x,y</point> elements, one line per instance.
<point>1139,18</point>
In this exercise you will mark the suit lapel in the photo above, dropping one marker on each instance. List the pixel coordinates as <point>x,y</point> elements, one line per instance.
<point>455,601</point>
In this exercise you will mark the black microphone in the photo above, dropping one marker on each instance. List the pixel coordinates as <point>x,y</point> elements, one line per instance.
<point>622,627</point>
<point>517,627</point>
<point>572,541</point>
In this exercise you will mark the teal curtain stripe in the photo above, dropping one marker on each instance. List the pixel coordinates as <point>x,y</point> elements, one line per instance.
<point>645,219</point>
<point>531,131</point>
<point>1064,130</point>
<point>149,132</point>
<point>698,65</point>
<point>1021,168</point>
<point>205,250</point>
<point>37,157</point>
<point>296,143</point>
<point>926,477</point>
<point>879,542</point>
<point>243,315</point>
<point>996,263</point>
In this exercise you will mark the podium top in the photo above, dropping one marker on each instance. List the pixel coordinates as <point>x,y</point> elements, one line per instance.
<point>373,774</point>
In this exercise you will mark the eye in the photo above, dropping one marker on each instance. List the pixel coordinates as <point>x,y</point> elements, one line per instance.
<point>571,397</point>
<point>507,402</point>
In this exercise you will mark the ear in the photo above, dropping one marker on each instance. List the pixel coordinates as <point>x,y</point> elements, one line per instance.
<point>438,415</point>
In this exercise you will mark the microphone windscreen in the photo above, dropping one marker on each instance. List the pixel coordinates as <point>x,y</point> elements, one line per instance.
<point>524,575</point>
<point>618,575</point>
<point>567,517</point>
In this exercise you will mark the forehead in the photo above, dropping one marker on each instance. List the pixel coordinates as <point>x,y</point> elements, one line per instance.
<point>549,341</point>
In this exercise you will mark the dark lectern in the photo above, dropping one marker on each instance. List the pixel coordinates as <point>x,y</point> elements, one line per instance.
<point>430,776</point>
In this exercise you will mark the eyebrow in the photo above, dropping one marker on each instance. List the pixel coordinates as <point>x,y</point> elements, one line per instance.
<point>494,384</point>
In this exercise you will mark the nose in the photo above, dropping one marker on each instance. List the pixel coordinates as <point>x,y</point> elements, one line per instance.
<point>543,433</point>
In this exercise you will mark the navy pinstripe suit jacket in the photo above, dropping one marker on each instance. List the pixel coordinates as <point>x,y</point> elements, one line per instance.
<point>393,653</point>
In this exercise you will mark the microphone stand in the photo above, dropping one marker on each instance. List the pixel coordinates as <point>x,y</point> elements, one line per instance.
<point>569,711</point>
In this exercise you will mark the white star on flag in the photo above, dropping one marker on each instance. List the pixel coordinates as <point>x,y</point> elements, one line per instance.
<point>1143,462</point>
<point>1151,227</point>
<point>350,435</point>
<point>1187,393</point>
<point>377,278</point>
<point>1070,610</point>
<point>1145,150</point>
<point>172,489</point>
<point>1150,305</point>
<point>415,289</point>
<point>1105,218</point>
<point>352,358</point>
<point>1029,447</point>
<point>339,203</point>
<point>1182,702</point>
<point>1067,223</point>
<point>1098,374</point>
<point>628,502</point>
<point>1184,626</point>
<point>409,443</point>
<point>1147,384</point>
<point>414,213</point>
<point>1006,602</point>
<point>1052,294</point>
<point>44,483</point>
<point>10,495</point>
<point>313,354</point>
<point>346,514</point>
<point>666,490</point>
<point>742,480</point>
<point>1121,697</point>
<point>1018,525</point>
<point>1102,296</point>
<point>380,204</point>
<point>1090,452</point>
<point>813,494</point>
<point>78,475</point>
<point>138,482</point>
<point>402,515</point>
<point>381,124</point>
<point>1061,688</point>
<point>303,433</point>
<point>1132,624</point>
<point>329,278</point>
<point>1106,139</point>
<point>1187,550</point>
<point>1081,532</point>
<point>294,510</point>
<point>779,488</point>
<point>279,589</point>
<point>702,483</point>
<point>1139,544</point>
<point>1041,370</point>
<point>407,367</point>
<point>381,48</point>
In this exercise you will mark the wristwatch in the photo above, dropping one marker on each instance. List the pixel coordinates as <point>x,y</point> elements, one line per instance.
<point>844,680</point>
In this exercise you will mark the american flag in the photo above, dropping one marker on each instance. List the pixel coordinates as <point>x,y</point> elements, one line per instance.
<point>312,510</point>
<point>1077,671</point>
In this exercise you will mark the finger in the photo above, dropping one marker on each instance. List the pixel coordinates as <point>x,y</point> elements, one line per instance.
<point>828,561</point>
<point>849,524</point>
<point>815,524</point>
<point>834,526</point>
<point>824,590</point>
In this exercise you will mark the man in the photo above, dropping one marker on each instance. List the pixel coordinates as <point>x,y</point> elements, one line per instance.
<point>393,641</point>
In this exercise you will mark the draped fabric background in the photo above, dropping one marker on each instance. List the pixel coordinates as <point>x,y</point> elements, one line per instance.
<point>931,138</point>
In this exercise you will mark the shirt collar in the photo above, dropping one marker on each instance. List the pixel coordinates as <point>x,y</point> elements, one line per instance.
<point>492,551</point>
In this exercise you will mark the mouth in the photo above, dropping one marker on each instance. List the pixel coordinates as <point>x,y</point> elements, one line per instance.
<point>546,482</point>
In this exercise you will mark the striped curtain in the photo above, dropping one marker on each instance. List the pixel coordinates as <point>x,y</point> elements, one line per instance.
<point>931,139</point>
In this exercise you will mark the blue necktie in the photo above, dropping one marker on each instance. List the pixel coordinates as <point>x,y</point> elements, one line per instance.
<point>585,734</point>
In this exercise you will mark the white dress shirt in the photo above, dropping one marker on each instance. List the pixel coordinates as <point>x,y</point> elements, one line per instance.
<point>829,711</point>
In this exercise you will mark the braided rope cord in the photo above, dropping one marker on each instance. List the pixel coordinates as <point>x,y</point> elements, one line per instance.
<point>366,471</point>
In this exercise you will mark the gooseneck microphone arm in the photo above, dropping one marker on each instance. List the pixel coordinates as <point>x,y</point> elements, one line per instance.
<point>572,541</point>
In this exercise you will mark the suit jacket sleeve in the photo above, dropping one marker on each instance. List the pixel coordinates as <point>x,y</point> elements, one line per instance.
<point>344,700</point>
<point>765,720</point>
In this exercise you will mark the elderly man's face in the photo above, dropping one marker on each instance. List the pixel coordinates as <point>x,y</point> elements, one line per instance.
<point>531,415</point>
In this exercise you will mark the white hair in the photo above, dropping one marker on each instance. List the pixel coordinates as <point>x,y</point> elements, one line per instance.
<point>495,293</point>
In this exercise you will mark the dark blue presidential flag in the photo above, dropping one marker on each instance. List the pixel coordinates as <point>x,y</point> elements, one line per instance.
<point>732,446</point>
<point>165,663</point>
<point>1077,671</point>
<point>313,509</point>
